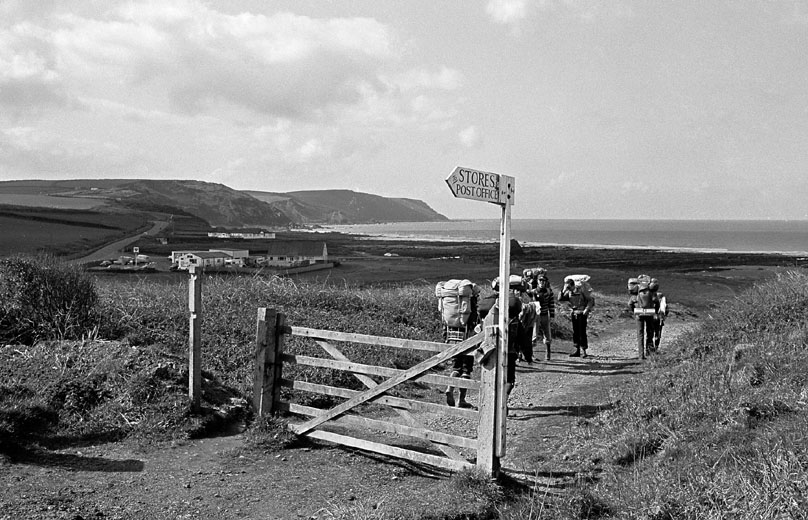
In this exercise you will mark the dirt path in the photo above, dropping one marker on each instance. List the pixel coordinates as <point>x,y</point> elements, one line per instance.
<point>219,479</point>
<point>552,396</point>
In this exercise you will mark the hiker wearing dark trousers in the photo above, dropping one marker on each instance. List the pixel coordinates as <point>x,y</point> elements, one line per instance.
<point>659,322</point>
<point>544,300</point>
<point>580,304</point>
<point>647,320</point>
<point>528,317</point>
<point>517,334</point>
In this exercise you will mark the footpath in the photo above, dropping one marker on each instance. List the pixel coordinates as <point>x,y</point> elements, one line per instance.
<point>220,478</point>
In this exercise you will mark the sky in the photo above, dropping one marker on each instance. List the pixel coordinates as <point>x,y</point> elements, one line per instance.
<point>666,109</point>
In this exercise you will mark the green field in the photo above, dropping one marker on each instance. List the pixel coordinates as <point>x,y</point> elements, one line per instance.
<point>61,232</point>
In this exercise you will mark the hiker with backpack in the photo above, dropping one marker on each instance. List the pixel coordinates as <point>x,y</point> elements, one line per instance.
<point>660,319</point>
<point>528,314</point>
<point>578,294</point>
<point>544,303</point>
<point>458,306</point>
<point>518,334</point>
<point>644,305</point>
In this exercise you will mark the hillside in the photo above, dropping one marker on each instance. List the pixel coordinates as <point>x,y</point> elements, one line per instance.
<point>216,204</point>
<point>347,207</point>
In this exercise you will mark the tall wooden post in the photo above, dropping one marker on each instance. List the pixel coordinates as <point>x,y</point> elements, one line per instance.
<point>497,189</point>
<point>506,199</point>
<point>195,339</point>
<point>268,349</point>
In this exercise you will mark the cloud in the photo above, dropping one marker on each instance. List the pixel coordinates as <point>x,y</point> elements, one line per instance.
<point>471,137</point>
<point>27,70</point>
<point>635,186</point>
<point>198,58</point>
<point>24,150</point>
<point>507,12</point>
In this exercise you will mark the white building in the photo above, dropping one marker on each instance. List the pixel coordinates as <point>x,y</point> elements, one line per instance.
<point>212,259</point>
<point>295,253</point>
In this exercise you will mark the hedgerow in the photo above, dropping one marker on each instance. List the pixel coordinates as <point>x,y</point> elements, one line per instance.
<point>44,298</point>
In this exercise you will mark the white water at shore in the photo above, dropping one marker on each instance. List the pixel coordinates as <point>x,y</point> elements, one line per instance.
<point>778,237</point>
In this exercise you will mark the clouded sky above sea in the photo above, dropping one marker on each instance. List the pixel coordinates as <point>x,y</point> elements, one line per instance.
<point>599,109</point>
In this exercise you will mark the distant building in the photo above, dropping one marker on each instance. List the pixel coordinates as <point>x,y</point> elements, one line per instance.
<point>248,236</point>
<point>211,259</point>
<point>294,254</point>
<point>238,257</point>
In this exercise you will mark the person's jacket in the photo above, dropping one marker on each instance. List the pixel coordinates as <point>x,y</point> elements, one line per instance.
<point>546,301</point>
<point>577,299</point>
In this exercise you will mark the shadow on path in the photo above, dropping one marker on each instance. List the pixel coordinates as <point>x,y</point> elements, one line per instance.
<point>36,457</point>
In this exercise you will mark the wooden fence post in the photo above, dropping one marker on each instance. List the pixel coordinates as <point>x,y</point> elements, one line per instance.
<point>270,328</point>
<point>195,339</point>
<point>487,459</point>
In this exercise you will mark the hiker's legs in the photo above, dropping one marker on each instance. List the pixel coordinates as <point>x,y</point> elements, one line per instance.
<point>465,373</point>
<point>457,371</point>
<point>510,374</point>
<point>658,324</point>
<point>543,324</point>
<point>649,334</point>
<point>579,337</point>
<point>576,333</point>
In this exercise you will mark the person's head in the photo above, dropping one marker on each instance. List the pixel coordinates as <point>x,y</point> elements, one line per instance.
<point>543,281</point>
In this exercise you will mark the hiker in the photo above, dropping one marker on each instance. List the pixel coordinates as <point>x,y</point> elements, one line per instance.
<point>528,318</point>
<point>458,305</point>
<point>659,321</point>
<point>517,334</point>
<point>644,305</point>
<point>579,298</point>
<point>544,302</point>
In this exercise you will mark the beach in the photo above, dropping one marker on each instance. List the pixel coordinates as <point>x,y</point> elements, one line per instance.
<point>696,279</point>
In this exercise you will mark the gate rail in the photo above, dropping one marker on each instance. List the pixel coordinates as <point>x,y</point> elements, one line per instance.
<point>271,330</point>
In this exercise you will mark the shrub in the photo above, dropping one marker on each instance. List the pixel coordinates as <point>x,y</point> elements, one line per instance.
<point>44,298</point>
<point>720,415</point>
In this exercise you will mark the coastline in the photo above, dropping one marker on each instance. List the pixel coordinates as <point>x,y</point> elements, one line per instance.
<point>435,239</point>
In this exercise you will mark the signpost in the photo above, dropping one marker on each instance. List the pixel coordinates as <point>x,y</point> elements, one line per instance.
<point>467,183</point>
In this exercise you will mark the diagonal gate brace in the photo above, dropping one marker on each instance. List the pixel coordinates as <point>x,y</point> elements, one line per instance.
<point>411,373</point>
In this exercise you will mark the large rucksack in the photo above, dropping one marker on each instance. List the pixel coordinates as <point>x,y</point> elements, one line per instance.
<point>515,283</point>
<point>457,302</point>
<point>644,290</point>
<point>581,282</point>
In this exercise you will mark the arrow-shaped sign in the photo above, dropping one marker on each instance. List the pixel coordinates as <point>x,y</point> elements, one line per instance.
<point>466,183</point>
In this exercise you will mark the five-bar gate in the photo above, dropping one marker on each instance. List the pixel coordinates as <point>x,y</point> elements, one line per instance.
<point>270,358</point>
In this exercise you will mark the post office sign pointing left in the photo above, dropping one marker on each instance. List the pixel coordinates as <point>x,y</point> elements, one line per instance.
<point>467,183</point>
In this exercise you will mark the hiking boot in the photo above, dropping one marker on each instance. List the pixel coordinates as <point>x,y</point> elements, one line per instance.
<point>576,354</point>
<point>450,397</point>
<point>583,354</point>
<point>464,404</point>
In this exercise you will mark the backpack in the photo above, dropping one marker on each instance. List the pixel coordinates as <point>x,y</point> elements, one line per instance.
<point>515,283</point>
<point>457,302</point>
<point>645,289</point>
<point>581,282</point>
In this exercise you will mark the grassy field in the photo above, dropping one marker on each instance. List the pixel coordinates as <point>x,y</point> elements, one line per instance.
<point>715,428</point>
<point>62,232</point>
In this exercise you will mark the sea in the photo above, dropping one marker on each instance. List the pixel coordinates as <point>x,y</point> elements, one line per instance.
<point>787,237</point>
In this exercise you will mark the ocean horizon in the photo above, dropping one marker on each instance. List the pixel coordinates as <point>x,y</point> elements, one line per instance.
<point>786,237</point>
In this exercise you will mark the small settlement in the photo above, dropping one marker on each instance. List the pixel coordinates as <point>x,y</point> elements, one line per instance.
<point>280,254</point>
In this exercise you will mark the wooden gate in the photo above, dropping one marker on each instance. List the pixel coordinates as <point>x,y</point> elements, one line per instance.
<point>270,358</point>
